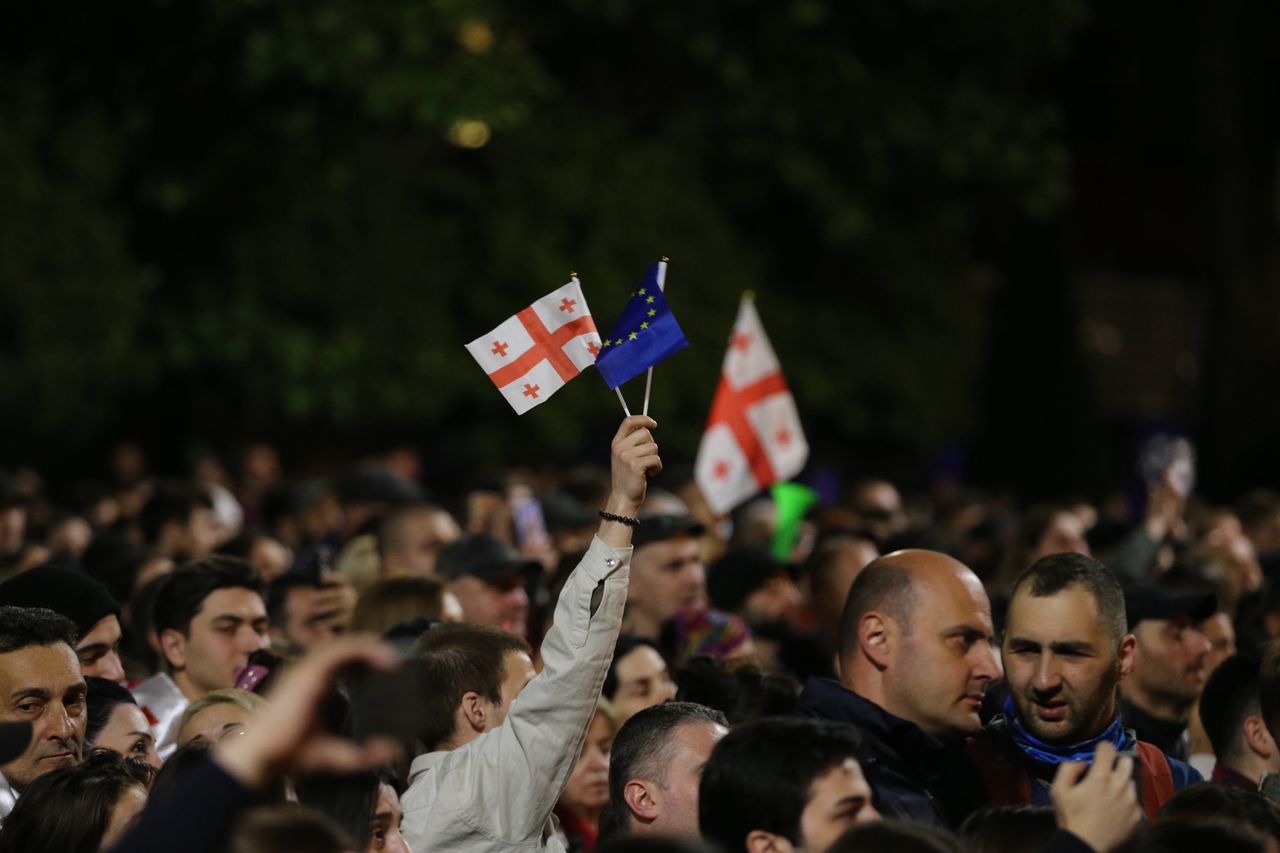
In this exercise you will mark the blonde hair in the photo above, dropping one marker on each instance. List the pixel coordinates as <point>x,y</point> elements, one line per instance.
<point>393,601</point>
<point>243,699</point>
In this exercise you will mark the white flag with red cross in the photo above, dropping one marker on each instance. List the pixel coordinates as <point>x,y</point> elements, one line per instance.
<point>753,437</point>
<point>532,355</point>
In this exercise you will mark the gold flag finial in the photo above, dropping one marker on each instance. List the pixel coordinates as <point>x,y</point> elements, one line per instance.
<point>665,259</point>
<point>572,274</point>
<point>749,295</point>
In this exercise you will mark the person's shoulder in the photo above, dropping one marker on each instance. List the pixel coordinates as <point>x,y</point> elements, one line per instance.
<point>1181,772</point>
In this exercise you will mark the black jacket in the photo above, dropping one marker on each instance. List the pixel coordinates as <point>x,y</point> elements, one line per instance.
<point>913,776</point>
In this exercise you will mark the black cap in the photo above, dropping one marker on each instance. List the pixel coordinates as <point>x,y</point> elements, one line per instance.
<point>14,740</point>
<point>740,572</point>
<point>565,512</point>
<point>655,528</point>
<point>1156,602</point>
<point>64,590</point>
<point>482,556</point>
<point>373,484</point>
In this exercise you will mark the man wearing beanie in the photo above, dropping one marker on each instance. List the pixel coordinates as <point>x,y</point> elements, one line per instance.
<point>69,592</point>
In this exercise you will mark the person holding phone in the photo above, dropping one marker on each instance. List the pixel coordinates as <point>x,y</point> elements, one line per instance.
<point>1066,649</point>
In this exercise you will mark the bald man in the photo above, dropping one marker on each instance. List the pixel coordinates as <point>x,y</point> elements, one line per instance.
<point>916,656</point>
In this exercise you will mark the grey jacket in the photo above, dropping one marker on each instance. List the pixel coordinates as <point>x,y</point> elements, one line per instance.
<point>496,793</point>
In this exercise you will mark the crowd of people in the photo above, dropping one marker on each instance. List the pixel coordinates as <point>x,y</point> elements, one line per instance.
<point>588,659</point>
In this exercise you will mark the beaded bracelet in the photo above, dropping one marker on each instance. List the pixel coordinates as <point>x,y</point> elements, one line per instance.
<point>621,519</point>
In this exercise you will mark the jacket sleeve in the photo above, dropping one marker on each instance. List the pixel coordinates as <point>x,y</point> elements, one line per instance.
<point>505,783</point>
<point>194,817</point>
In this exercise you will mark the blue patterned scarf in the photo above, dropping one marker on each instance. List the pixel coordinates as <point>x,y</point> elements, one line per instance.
<point>1044,753</point>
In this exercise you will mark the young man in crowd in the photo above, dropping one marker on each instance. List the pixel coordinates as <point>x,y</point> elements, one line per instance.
<point>498,763</point>
<point>638,677</point>
<point>916,658</point>
<point>1066,650</point>
<point>655,768</point>
<point>1231,713</point>
<point>411,538</point>
<point>178,522</point>
<point>1170,665</point>
<point>666,573</point>
<point>40,683</point>
<point>86,602</point>
<point>306,610</point>
<point>208,618</point>
<point>488,577</point>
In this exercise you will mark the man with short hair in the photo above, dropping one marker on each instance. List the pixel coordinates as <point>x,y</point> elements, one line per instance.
<point>667,573</point>
<point>498,763</point>
<point>179,523</point>
<point>488,578</point>
<point>1231,713</point>
<point>411,538</point>
<point>638,677</point>
<point>305,611</point>
<point>1066,650</point>
<point>916,658</point>
<point>40,683</point>
<point>784,784</point>
<point>208,618</point>
<point>655,767</point>
<point>1170,666</point>
<point>82,599</point>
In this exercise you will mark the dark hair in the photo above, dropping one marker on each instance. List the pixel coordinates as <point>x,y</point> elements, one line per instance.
<point>826,556</point>
<point>241,545</point>
<point>1008,829</point>
<point>892,836</point>
<point>1207,800</point>
<point>178,765</point>
<point>101,700</point>
<point>1051,574</point>
<point>389,531</point>
<point>740,688</point>
<point>1194,836</point>
<point>284,829</point>
<point>171,501</point>
<point>457,659</point>
<point>21,627</point>
<point>760,775</point>
<point>349,800</point>
<point>654,844</point>
<point>625,645</point>
<point>69,809</point>
<point>185,590</point>
<point>278,594</point>
<point>1230,695</point>
<point>643,746</point>
<point>882,585</point>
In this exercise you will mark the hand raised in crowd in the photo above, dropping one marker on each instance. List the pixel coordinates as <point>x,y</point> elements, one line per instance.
<point>288,736</point>
<point>1101,809</point>
<point>634,461</point>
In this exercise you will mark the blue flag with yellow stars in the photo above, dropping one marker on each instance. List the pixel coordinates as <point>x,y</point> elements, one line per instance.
<point>644,335</point>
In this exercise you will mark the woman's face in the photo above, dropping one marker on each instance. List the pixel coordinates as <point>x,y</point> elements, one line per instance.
<point>214,723</point>
<point>128,733</point>
<point>588,788</point>
<point>122,815</point>
<point>384,828</point>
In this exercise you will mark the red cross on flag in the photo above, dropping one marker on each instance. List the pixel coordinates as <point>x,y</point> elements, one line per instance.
<point>753,437</point>
<point>533,354</point>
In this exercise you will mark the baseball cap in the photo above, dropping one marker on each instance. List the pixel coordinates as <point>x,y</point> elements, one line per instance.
<point>482,556</point>
<point>655,528</point>
<point>1156,602</point>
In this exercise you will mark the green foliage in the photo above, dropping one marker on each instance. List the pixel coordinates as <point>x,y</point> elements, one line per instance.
<point>271,205</point>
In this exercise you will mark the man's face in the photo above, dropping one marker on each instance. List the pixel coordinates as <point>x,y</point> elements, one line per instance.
<point>838,799</point>
<point>314,615</point>
<point>643,681</point>
<point>945,664</point>
<point>1172,659</point>
<point>667,576</point>
<point>422,536</point>
<point>203,533</point>
<point>677,795</point>
<point>99,650</point>
<point>1063,664</point>
<point>519,672</point>
<point>1065,534</point>
<point>231,624</point>
<point>43,685</point>
<point>502,602</point>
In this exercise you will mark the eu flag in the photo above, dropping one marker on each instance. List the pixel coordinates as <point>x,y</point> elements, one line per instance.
<point>644,335</point>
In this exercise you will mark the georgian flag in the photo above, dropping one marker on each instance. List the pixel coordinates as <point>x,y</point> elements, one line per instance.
<point>753,437</point>
<point>532,355</point>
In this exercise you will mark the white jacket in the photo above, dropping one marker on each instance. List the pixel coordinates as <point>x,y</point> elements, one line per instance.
<point>496,793</point>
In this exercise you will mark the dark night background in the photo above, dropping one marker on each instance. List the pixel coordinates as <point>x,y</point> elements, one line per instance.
<point>1009,238</point>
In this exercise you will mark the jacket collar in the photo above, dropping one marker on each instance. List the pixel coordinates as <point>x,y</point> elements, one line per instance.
<point>896,740</point>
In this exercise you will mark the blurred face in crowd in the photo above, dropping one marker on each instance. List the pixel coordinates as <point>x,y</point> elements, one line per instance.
<point>314,615</point>
<point>1063,663</point>
<point>43,686</point>
<point>270,557</point>
<point>839,799</point>
<point>643,681</point>
<point>384,829</point>
<point>215,722</point>
<point>666,576</point>
<point>1065,534</point>
<point>674,796</point>
<point>420,537</point>
<point>126,809</point>
<point>128,733</point>
<point>230,625</point>
<point>879,508</point>
<point>13,528</point>
<point>587,791</point>
<point>99,650</point>
<point>777,600</point>
<point>501,602</point>
<point>945,658</point>
<point>1171,666</point>
<point>1221,634</point>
